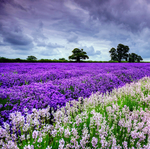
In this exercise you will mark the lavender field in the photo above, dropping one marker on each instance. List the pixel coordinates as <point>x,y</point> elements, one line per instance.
<point>33,97</point>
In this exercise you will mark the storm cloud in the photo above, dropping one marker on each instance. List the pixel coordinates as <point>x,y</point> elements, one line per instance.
<point>52,29</point>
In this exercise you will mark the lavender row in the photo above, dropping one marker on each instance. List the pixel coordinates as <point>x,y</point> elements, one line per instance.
<point>24,74</point>
<point>84,86</point>
<point>9,80</point>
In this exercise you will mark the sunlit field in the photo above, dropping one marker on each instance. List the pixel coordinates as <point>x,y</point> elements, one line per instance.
<point>74,106</point>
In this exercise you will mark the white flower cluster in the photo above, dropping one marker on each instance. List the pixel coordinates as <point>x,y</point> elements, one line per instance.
<point>25,124</point>
<point>136,122</point>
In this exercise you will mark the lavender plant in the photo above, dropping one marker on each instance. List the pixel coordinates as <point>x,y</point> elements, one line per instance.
<point>119,119</point>
<point>38,85</point>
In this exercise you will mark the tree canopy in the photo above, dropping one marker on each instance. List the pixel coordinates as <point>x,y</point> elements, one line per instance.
<point>62,59</point>
<point>78,55</point>
<point>31,58</point>
<point>122,53</point>
<point>133,57</point>
<point>113,55</point>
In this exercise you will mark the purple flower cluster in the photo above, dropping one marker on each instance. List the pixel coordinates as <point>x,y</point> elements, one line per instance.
<point>24,74</point>
<point>37,85</point>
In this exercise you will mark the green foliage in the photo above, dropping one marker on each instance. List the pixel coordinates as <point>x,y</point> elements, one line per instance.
<point>18,60</point>
<point>122,53</point>
<point>113,54</point>
<point>62,59</point>
<point>78,55</point>
<point>15,72</point>
<point>134,57</point>
<point>45,60</point>
<point>31,58</point>
<point>26,83</point>
<point>71,88</point>
<point>4,59</point>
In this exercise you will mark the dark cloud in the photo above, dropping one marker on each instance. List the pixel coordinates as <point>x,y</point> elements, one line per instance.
<point>133,14</point>
<point>17,5</point>
<point>4,4</point>
<point>38,33</point>
<point>49,25</point>
<point>17,39</point>
<point>13,36</point>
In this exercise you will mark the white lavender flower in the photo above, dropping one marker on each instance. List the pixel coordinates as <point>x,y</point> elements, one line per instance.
<point>40,140</point>
<point>34,134</point>
<point>6,126</point>
<point>61,143</point>
<point>10,145</point>
<point>26,127</point>
<point>22,137</point>
<point>54,133</point>
<point>29,147</point>
<point>67,133</point>
<point>83,142</point>
<point>48,147</point>
<point>94,142</point>
<point>74,132</point>
<point>61,130</point>
<point>125,145</point>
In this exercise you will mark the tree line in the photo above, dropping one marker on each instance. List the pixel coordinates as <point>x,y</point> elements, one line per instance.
<point>122,53</point>
<point>79,55</point>
<point>116,55</point>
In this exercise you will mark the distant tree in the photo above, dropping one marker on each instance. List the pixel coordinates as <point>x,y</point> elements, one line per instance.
<point>113,54</point>
<point>4,59</point>
<point>78,55</point>
<point>31,58</point>
<point>134,57</point>
<point>62,59</point>
<point>121,52</point>
<point>18,60</point>
<point>139,58</point>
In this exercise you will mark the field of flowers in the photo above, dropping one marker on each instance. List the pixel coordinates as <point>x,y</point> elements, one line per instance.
<point>74,105</point>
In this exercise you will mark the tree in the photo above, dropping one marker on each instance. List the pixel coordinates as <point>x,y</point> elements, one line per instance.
<point>31,58</point>
<point>113,54</point>
<point>139,58</point>
<point>78,55</point>
<point>4,59</point>
<point>62,59</point>
<point>120,53</point>
<point>18,60</point>
<point>134,57</point>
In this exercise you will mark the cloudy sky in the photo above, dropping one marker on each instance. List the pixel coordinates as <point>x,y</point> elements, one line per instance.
<point>51,29</point>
